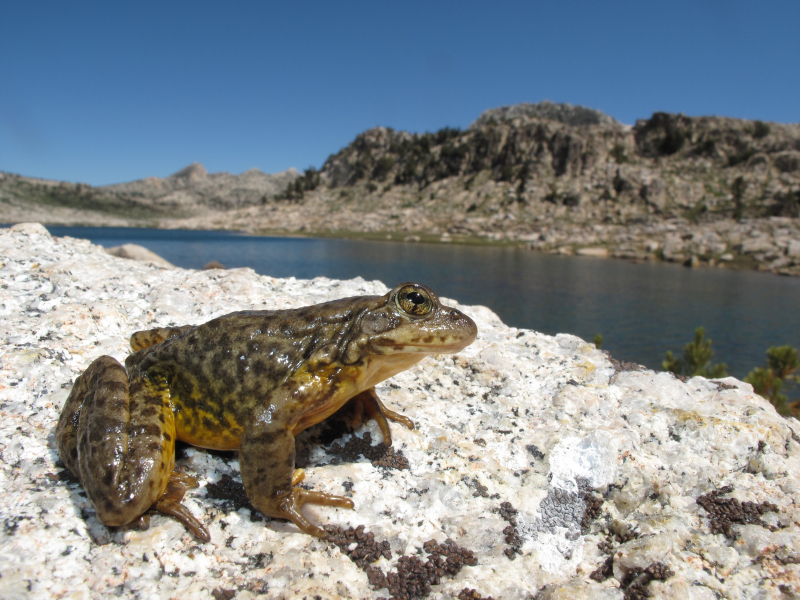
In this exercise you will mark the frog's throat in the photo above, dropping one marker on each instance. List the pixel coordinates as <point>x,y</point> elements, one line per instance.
<point>335,384</point>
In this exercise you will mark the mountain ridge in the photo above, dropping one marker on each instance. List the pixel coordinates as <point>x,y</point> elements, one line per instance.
<point>556,177</point>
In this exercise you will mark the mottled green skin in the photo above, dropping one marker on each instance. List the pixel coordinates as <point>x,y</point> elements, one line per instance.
<point>250,381</point>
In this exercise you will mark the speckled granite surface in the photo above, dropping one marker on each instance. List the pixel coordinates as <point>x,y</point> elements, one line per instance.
<point>551,472</point>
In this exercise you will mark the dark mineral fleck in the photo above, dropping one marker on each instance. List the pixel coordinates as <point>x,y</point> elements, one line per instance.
<point>621,365</point>
<point>413,578</point>
<point>380,455</point>
<point>509,514</point>
<point>223,594</point>
<point>591,511</point>
<point>537,454</point>
<point>232,493</point>
<point>724,512</point>
<point>366,550</point>
<point>480,489</point>
<point>635,583</point>
<point>614,540</point>
<point>604,571</point>
<point>469,594</point>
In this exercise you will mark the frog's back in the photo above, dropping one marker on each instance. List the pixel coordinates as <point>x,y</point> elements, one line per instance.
<point>220,371</point>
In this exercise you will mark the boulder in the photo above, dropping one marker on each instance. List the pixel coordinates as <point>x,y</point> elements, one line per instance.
<point>597,251</point>
<point>538,465</point>
<point>137,252</point>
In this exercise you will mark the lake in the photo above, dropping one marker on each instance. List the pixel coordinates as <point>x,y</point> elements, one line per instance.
<point>642,310</point>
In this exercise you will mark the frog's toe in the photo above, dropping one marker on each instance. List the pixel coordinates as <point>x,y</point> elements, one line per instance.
<point>298,476</point>
<point>311,497</point>
<point>398,418</point>
<point>184,479</point>
<point>290,509</point>
<point>182,514</point>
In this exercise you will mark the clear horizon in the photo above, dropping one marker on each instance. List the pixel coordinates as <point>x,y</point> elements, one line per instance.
<point>106,93</point>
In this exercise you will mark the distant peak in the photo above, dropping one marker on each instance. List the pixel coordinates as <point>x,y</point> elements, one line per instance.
<point>561,112</point>
<point>193,171</point>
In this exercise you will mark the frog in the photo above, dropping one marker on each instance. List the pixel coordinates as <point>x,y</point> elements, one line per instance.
<point>248,381</point>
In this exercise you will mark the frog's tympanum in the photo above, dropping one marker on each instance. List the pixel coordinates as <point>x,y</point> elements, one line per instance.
<point>249,381</point>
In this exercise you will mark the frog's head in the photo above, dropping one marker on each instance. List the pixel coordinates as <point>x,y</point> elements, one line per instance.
<point>410,320</point>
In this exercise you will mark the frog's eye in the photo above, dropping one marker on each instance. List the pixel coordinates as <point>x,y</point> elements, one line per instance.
<point>413,300</point>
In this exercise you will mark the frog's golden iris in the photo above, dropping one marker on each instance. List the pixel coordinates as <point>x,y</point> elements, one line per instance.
<point>414,300</point>
<point>248,381</point>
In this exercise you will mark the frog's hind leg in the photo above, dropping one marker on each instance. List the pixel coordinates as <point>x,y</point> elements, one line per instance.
<point>118,438</point>
<point>170,504</point>
<point>369,402</point>
<point>150,337</point>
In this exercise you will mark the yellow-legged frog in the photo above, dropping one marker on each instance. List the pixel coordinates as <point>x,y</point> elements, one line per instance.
<point>248,381</point>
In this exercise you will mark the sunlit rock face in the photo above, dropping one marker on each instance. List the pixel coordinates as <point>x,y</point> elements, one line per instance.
<point>549,470</point>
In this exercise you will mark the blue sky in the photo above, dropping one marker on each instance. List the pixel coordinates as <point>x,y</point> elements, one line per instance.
<point>109,91</point>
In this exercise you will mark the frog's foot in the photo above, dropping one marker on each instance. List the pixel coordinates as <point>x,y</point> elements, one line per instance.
<point>290,506</point>
<point>369,402</point>
<point>170,504</point>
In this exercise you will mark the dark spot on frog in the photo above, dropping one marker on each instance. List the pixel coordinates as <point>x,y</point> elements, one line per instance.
<point>150,429</point>
<point>116,387</point>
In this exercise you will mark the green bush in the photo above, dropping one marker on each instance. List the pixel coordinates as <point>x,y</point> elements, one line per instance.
<point>740,156</point>
<point>618,154</point>
<point>761,130</point>
<point>782,364</point>
<point>445,134</point>
<point>311,179</point>
<point>382,167</point>
<point>696,360</point>
<point>673,140</point>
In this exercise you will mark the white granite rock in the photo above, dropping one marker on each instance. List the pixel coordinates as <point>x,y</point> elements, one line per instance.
<point>531,451</point>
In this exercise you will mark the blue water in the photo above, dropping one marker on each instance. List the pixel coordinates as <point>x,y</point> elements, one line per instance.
<point>641,310</point>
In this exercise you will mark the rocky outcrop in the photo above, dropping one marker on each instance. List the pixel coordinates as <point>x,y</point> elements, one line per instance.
<point>563,113</point>
<point>542,164</point>
<point>539,467</point>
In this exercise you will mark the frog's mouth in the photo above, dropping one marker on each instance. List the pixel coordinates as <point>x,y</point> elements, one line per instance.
<point>433,347</point>
<point>450,332</point>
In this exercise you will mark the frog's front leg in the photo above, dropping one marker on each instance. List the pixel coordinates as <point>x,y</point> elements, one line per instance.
<point>369,402</point>
<point>266,457</point>
<point>118,438</point>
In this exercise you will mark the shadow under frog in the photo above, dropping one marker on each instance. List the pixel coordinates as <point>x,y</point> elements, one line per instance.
<point>248,381</point>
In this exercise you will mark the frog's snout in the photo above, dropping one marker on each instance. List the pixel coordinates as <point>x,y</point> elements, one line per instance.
<point>463,327</point>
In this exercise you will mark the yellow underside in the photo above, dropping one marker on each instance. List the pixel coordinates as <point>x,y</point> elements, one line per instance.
<point>326,389</point>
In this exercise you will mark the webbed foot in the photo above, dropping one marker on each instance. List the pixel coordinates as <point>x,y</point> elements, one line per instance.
<point>290,506</point>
